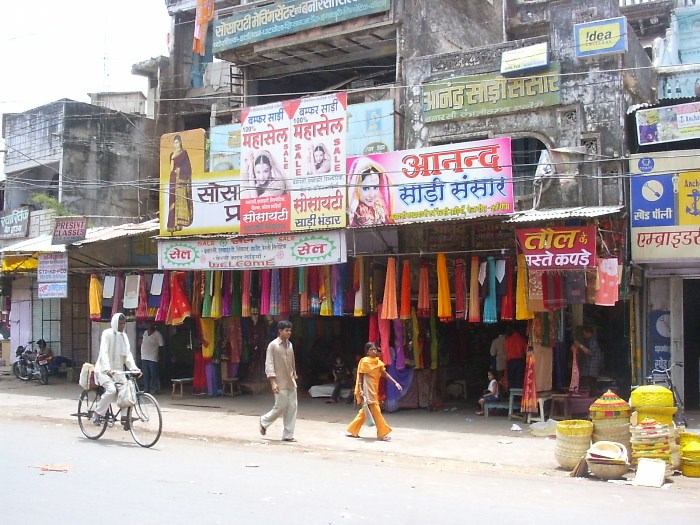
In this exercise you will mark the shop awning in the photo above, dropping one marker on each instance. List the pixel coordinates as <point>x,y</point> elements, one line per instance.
<point>108,233</point>
<point>22,256</point>
<point>563,213</point>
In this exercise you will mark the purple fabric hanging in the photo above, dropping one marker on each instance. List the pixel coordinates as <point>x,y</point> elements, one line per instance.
<point>404,378</point>
<point>226,293</point>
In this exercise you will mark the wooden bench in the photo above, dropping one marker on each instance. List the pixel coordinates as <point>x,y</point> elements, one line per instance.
<point>491,405</point>
<point>542,397</point>
<point>231,386</point>
<point>180,383</point>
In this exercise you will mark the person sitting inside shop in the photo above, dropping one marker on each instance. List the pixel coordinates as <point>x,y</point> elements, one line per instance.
<point>56,362</point>
<point>341,378</point>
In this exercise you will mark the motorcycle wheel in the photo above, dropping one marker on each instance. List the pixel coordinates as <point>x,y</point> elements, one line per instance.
<point>20,371</point>
<point>44,375</point>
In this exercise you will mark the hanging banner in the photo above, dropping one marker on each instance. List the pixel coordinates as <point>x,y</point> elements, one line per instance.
<point>453,181</point>
<point>245,253</point>
<point>181,175</point>
<point>558,247</point>
<point>53,268</point>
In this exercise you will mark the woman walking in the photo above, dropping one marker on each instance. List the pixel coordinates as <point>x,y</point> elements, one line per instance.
<point>369,370</point>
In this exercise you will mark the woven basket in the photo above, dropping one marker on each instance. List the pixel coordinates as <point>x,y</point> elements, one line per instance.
<point>574,427</point>
<point>690,470</point>
<point>662,414</point>
<point>689,437</point>
<point>653,395</point>
<point>568,459</point>
<point>609,405</point>
<point>570,449</point>
<point>607,471</point>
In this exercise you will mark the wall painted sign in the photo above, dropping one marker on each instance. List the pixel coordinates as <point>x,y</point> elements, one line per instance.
<point>668,124</point>
<point>52,268</point>
<point>601,37</point>
<point>665,205</point>
<point>524,59</point>
<point>285,18</point>
<point>452,181</point>
<point>246,253</point>
<point>14,223</point>
<point>489,94</point>
<point>558,247</point>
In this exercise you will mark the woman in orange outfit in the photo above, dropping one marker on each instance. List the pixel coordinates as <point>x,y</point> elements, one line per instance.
<point>369,370</point>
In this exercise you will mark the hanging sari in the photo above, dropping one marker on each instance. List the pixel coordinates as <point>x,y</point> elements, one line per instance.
<point>575,374</point>
<point>164,306</point>
<point>338,274</point>
<point>384,334</point>
<point>216,295</point>
<point>474,306</point>
<point>236,294</point>
<point>400,355</point>
<point>358,281</point>
<point>553,291</point>
<point>460,291</point>
<point>226,291</point>
<point>326,308</point>
<point>522,312</point>
<point>423,290</point>
<point>265,277</point>
<point>275,291</point>
<point>444,300</point>
<point>416,344</point>
<point>389,307</point>
<point>490,301</point>
<point>285,307</point>
<point>142,308</point>
<point>528,403</point>
<point>180,308</point>
<point>507,302</point>
<point>405,312</point>
<point>95,297</point>
<point>118,294</point>
<point>245,293</point>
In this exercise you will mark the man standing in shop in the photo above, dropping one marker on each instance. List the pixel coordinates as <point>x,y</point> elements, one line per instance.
<point>281,372</point>
<point>589,360</point>
<point>498,355</point>
<point>151,344</point>
<point>516,348</point>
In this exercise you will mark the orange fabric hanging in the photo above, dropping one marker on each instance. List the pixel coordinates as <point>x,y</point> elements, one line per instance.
<point>405,312</point>
<point>444,306</point>
<point>423,290</point>
<point>389,308</point>
<point>474,309</point>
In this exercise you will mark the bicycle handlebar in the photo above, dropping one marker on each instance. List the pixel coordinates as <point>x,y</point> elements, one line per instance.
<point>664,370</point>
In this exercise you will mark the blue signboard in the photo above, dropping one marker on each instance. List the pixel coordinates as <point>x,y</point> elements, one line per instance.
<point>660,338</point>
<point>653,201</point>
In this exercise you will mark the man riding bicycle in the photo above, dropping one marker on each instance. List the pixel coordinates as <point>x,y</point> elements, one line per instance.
<point>115,353</point>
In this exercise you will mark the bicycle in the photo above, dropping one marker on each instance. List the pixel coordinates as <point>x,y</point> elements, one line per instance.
<point>144,420</point>
<point>662,376</point>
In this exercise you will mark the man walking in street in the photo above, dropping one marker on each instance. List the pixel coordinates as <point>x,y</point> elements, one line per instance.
<point>281,372</point>
<point>151,343</point>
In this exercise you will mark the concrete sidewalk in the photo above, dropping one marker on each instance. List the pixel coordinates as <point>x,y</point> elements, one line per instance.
<point>450,437</point>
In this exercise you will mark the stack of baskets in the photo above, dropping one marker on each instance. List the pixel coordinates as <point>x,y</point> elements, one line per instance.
<point>690,455</point>
<point>611,419</point>
<point>651,439</point>
<point>607,460</point>
<point>573,441</point>
<point>654,402</point>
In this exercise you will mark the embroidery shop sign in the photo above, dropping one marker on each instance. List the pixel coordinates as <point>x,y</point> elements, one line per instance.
<point>559,247</point>
<point>14,223</point>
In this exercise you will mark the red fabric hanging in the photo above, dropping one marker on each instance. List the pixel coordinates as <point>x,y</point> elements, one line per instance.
<point>285,295</point>
<point>389,308</point>
<point>552,291</point>
<point>373,328</point>
<point>180,307</point>
<point>142,308</point>
<point>460,291</point>
<point>423,290</point>
<point>405,312</point>
<point>508,300</point>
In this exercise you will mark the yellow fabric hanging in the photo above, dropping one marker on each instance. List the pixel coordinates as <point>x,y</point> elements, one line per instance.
<point>208,327</point>
<point>95,297</point>
<point>444,301</point>
<point>215,312</point>
<point>522,312</point>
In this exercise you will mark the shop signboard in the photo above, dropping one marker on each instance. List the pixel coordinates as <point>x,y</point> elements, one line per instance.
<point>285,18</point>
<point>52,290</point>
<point>293,165</point>
<point>69,229</point>
<point>452,181</point>
<point>525,59</point>
<point>489,94</point>
<point>250,253</point>
<point>668,124</point>
<point>370,127</point>
<point>665,206</point>
<point>52,268</point>
<point>601,37</point>
<point>558,247</point>
<point>14,223</point>
<point>660,338</point>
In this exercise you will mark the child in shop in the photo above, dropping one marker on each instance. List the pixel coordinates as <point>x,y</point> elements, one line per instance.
<point>490,394</point>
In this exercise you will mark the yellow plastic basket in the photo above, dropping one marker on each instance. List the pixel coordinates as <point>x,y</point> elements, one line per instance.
<point>575,427</point>
<point>686,438</point>
<point>690,470</point>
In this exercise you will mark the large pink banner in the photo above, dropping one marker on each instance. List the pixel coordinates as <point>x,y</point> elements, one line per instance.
<point>454,181</point>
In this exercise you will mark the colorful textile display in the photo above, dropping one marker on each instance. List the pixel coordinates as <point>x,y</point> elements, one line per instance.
<point>265,277</point>
<point>474,301</point>
<point>207,294</point>
<point>490,300</point>
<point>535,299</point>
<point>142,308</point>
<point>245,293</point>
<point>215,312</point>
<point>275,291</point>
<point>180,308</point>
<point>507,301</point>
<point>358,280</point>
<point>405,312</point>
<point>423,290</point>
<point>207,334</point>
<point>384,334</point>
<point>118,294</point>
<point>460,290</point>
<point>607,289</point>
<point>95,298</point>
<point>325,291</point>
<point>575,374</point>
<point>338,273</point>
<point>528,403</point>
<point>164,306</point>
<point>415,340</point>
<point>444,300</point>
<point>389,308</point>
<point>522,311</point>
<point>400,355</point>
<point>552,291</point>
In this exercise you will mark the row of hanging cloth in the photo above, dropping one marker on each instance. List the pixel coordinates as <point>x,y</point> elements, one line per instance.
<point>486,290</point>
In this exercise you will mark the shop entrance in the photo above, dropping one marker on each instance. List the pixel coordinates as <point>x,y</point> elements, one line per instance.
<point>691,342</point>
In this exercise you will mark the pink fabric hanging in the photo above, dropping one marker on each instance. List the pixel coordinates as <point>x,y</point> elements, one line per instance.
<point>373,334</point>
<point>265,277</point>
<point>389,307</point>
<point>423,290</point>
<point>607,290</point>
<point>285,292</point>
<point>162,313</point>
<point>528,403</point>
<point>142,308</point>
<point>384,335</point>
<point>226,293</point>
<point>474,301</point>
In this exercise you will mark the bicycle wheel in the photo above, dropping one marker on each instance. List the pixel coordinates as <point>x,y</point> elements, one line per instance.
<point>145,420</point>
<point>86,408</point>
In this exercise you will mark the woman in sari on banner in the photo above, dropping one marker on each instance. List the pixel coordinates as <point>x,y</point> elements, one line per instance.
<point>180,188</point>
<point>369,200</point>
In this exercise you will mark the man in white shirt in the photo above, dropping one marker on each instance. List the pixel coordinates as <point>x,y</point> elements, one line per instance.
<point>498,355</point>
<point>151,344</point>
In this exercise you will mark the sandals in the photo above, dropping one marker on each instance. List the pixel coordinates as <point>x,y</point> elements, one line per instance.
<point>352,436</point>
<point>385,438</point>
<point>263,430</point>
<point>289,440</point>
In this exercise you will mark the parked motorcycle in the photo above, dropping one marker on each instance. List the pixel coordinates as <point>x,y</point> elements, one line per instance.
<point>31,364</point>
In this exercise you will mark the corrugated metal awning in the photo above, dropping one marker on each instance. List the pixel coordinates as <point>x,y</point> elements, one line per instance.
<point>40,244</point>
<point>109,233</point>
<point>563,213</point>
